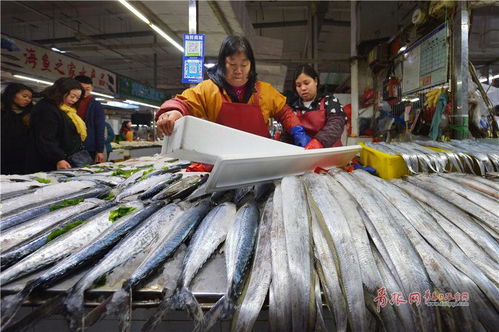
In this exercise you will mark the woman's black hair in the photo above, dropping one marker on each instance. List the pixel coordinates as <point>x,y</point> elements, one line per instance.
<point>56,92</point>
<point>230,46</point>
<point>124,123</point>
<point>10,93</point>
<point>307,70</point>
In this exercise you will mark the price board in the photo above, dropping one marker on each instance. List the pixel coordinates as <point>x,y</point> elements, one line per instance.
<point>426,61</point>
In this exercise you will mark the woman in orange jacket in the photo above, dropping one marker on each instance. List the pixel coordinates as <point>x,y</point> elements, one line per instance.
<point>232,96</point>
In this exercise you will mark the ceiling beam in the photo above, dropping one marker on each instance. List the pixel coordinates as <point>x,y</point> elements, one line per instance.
<point>304,60</point>
<point>116,35</point>
<point>217,11</point>
<point>281,24</point>
<point>79,35</point>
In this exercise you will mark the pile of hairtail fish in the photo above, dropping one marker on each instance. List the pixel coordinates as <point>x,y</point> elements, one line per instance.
<point>463,156</point>
<point>413,254</point>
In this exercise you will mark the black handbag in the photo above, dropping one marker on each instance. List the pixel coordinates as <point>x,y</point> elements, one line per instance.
<point>80,159</point>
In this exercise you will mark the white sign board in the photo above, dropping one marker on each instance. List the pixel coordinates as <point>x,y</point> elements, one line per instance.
<point>33,60</point>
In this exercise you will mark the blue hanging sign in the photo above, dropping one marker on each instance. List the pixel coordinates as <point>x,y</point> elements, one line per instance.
<point>193,58</point>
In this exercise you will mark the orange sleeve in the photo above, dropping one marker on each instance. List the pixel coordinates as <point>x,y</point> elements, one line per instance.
<point>202,101</point>
<point>273,104</point>
<point>288,118</point>
<point>173,104</point>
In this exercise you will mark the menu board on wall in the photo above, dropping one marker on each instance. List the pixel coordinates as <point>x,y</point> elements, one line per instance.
<point>426,61</point>
<point>24,57</point>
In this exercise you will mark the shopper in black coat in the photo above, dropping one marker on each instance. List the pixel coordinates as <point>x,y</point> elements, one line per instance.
<point>56,130</point>
<point>16,110</point>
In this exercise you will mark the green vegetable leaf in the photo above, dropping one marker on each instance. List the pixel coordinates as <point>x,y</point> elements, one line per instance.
<point>109,197</point>
<point>42,180</point>
<point>101,281</point>
<point>143,177</point>
<point>65,229</point>
<point>126,174</point>
<point>120,212</point>
<point>66,203</point>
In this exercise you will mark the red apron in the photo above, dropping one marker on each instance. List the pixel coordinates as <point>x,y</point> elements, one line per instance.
<point>314,121</point>
<point>245,117</point>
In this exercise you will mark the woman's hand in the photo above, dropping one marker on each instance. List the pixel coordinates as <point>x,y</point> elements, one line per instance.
<point>166,121</point>
<point>63,164</point>
<point>99,157</point>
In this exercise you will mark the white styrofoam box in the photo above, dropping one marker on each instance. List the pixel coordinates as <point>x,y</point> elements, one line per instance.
<point>203,141</point>
<point>232,171</point>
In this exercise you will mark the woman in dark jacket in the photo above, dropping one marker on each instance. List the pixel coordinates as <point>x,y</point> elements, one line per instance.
<point>57,132</point>
<point>322,116</point>
<point>16,109</point>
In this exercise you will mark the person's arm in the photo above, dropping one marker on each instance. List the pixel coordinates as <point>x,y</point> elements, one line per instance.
<point>335,123</point>
<point>285,115</point>
<point>202,101</point>
<point>46,128</point>
<point>174,104</point>
<point>287,118</point>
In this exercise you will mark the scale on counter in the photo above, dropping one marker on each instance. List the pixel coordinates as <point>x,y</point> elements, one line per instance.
<point>241,158</point>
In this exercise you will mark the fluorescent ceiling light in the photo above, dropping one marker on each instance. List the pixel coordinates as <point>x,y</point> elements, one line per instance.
<point>485,79</point>
<point>139,103</point>
<point>120,105</point>
<point>102,95</point>
<point>154,27</point>
<point>33,79</point>
<point>50,83</point>
<point>209,65</point>
<point>55,49</point>
<point>168,38</point>
<point>135,11</point>
<point>414,100</point>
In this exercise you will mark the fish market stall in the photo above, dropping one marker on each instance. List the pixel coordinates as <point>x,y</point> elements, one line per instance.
<point>400,159</point>
<point>136,149</point>
<point>139,244</point>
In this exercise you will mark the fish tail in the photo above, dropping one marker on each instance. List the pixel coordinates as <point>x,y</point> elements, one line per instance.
<point>165,306</point>
<point>120,305</point>
<point>191,305</point>
<point>229,308</point>
<point>125,314</point>
<point>97,313</point>
<point>11,304</point>
<point>74,311</point>
<point>214,315</point>
<point>50,306</point>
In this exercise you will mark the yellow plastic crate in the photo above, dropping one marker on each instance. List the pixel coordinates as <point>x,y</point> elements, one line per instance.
<point>387,166</point>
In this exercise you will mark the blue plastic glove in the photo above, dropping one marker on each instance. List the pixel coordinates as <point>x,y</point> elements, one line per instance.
<point>299,135</point>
